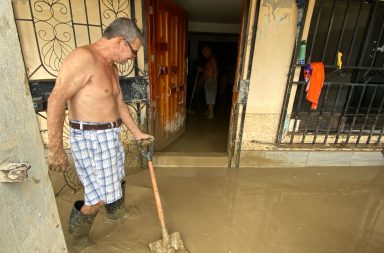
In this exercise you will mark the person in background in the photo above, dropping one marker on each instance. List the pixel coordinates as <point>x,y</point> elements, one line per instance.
<point>210,79</point>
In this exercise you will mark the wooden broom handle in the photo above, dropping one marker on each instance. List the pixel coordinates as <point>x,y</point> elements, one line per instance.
<point>158,201</point>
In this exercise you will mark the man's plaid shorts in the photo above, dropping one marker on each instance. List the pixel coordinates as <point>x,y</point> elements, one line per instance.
<point>99,160</point>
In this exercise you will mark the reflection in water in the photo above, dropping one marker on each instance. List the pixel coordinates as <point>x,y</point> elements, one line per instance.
<point>274,210</point>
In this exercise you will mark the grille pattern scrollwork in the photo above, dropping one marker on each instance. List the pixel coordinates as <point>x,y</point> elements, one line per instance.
<point>115,9</point>
<point>54,32</point>
<point>58,30</point>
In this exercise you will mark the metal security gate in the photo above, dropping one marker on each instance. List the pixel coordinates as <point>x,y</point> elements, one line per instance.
<point>50,29</point>
<point>350,109</point>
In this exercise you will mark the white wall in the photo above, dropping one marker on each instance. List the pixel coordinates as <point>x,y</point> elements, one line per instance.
<point>273,50</point>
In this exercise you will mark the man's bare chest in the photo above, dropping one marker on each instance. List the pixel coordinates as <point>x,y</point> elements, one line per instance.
<point>104,82</point>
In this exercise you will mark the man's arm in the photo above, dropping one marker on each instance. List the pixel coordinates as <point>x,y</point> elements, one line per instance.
<point>71,78</point>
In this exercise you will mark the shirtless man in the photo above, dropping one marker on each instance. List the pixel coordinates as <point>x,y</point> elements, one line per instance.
<point>210,79</point>
<point>88,82</point>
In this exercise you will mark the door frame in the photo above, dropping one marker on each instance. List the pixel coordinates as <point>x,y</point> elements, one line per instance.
<point>247,38</point>
<point>250,17</point>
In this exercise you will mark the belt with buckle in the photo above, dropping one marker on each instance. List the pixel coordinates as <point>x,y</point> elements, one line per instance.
<point>102,126</point>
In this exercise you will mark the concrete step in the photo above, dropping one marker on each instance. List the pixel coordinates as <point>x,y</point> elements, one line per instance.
<point>190,159</point>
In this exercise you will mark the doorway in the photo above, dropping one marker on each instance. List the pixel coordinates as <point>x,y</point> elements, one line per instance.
<point>204,134</point>
<point>196,133</point>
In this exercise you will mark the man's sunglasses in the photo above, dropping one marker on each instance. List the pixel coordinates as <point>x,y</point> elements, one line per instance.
<point>134,52</point>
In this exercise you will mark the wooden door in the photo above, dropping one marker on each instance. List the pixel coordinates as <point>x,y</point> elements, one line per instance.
<point>168,67</point>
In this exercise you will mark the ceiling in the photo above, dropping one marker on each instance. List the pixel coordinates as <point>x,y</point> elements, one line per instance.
<point>212,11</point>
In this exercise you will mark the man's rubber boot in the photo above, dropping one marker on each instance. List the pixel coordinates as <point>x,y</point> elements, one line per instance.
<point>117,211</point>
<point>79,226</point>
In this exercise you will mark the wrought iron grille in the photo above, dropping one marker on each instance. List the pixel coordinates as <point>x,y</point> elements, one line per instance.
<point>350,108</point>
<point>50,29</point>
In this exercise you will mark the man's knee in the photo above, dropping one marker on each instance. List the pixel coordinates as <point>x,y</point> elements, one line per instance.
<point>93,209</point>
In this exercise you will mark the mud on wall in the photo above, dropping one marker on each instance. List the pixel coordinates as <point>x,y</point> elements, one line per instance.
<point>29,220</point>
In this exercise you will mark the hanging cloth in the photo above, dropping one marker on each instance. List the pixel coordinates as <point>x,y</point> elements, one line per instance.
<point>314,77</point>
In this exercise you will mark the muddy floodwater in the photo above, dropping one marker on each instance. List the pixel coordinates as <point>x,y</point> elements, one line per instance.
<point>271,210</point>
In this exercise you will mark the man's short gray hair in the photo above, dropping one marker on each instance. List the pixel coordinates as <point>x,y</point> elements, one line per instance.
<point>125,28</point>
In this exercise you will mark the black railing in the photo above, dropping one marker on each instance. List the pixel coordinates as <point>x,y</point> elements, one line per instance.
<point>50,29</point>
<point>56,30</point>
<point>350,109</point>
